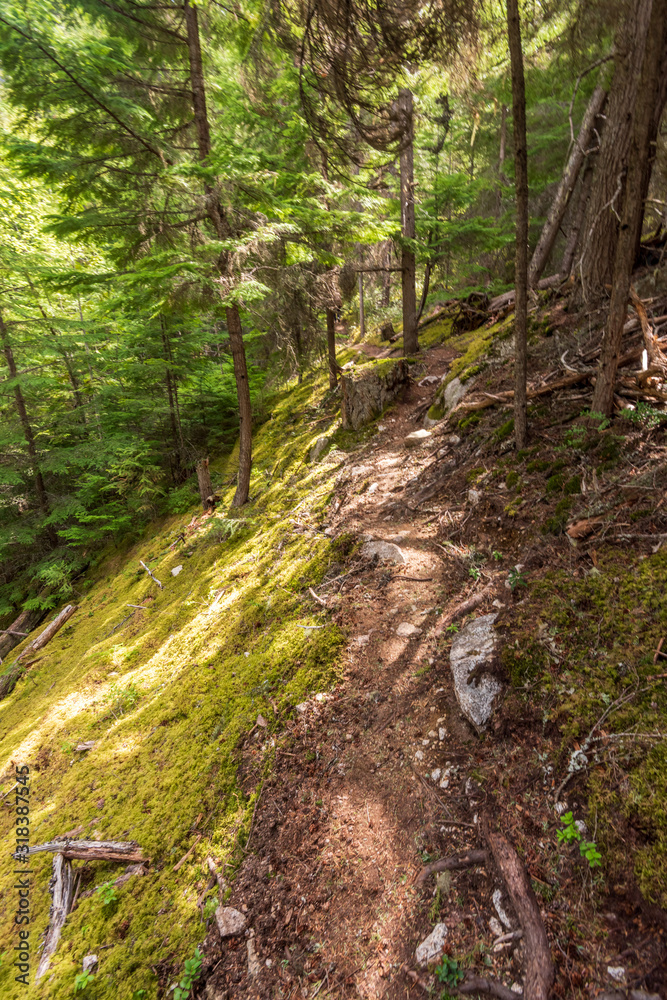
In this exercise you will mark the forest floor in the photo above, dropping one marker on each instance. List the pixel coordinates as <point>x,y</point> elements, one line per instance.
<point>383,774</point>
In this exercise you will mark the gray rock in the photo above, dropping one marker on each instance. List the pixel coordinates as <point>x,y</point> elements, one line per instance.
<point>473,647</point>
<point>453,394</point>
<point>90,963</point>
<point>318,447</point>
<point>365,394</point>
<point>610,995</point>
<point>474,496</point>
<point>431,948</point>
<point>383,550</point>
<point>418,438</point>
<point>176,570</point>
<point>407,631</point>
<point>641,995</point>
<point>230,921</point>
<point>429,380</point>
<point>428,422</point>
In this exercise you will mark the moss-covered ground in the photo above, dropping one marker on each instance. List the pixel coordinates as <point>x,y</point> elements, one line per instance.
<point>166,693</point>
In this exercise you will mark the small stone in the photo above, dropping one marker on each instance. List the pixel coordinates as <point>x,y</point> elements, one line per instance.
<point>254,964</point>
<point>472,647</point>
<point>616,972</point>
<point>230,921</point>
<point>89,963</point>
<point>261,721</point>
<point>419,755</point>
<point>302,707</point>
<point>498,903</point>
<point>176,570</point>
<point>362,640</point>
<point>431,947</point>
<point>474,496</point>
<point>444,783</point>
<point>496,927</point>
<point>318,447</point>
<point>407,631</point>
<point>349,737</point>
<point>372,488</point>
<point>383,550</point>
<point>381,427</point>
<point>417,438</point>
<point>441,734</point>
<point>268,963</point>
<point>435,774</point>
<point>432,733</point>
<point>429,380</point>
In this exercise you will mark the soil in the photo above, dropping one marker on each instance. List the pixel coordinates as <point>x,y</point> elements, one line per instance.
<point>350,813</point>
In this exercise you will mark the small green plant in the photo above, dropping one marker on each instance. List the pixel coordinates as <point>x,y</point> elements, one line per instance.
<point>449,971</point>
<point>516,578</point>
<point>83,980</point>
<point>122,699</point>
<point>139,995</point>
<point>210,906</point>
<point>107,895</point>
<point>475,572</point>
<point>497,555</point>
<point>646,415</point>
<point>452,628</point>
<point>191,973</point>
<point>571,834</point>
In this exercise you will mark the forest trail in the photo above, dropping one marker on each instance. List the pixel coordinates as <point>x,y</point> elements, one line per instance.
<point>383,775</point>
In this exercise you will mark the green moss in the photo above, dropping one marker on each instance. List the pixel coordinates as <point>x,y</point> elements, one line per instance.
<point>470,372</point>
<point>504,431</point>
<point>524,664</point>
<point>555,483</point>
<point>512,480</point>
<point>472,475</point>
<point>166,694</point>
<point>470,421</point>
<point>573,486</point>
<point>555,524</point>
<point>537,465</point>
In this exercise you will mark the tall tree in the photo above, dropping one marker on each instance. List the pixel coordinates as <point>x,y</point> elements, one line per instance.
<point>405,114</point>
<point>647,88</point>
<point>521,254</point>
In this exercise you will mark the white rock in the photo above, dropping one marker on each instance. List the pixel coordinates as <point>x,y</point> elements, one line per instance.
<point>453,439</point>
<point>444,783</point>
<point>616,972</point>
<point>431,947</point>
<point>407,631</point>
<point>435,774</point>
<point>417,438</point>
<point>362,640</point>
<point>381,427</point>
<point>254,964</point>
<point>372,488</point>
<point>176,570</point>
<point>474,496</point>
<point>89,963</point>
<point>432,733</point>
<point>496,927</point>
<point>419,755</point>
<point>429,380</point>
<point>230,921</point>
<point>383,550</point>
<point>474,646</point>
<point>441,734</point>
<point>498,903</point>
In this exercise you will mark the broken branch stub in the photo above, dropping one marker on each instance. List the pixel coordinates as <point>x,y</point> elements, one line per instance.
<point>92,850</point>
<point>61,888</point>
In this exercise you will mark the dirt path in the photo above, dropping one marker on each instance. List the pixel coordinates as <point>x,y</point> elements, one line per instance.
<point>373,781</point>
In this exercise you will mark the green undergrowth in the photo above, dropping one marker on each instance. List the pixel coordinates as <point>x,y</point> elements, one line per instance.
<point>587,645</point>
<point>165,694</point>
<point>473,347</point>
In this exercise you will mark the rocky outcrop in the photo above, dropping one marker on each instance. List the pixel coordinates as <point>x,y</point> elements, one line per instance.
<point>473,648</point>
<point>367,392</point>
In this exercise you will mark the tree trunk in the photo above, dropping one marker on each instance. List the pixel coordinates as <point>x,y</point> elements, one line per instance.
<point>331,348</point>
<point>566,187</point>
<point>386,278</point>
<point>408,268</point>
<point>174,419</point>
<point>245,411</point>
<point>40,488</point>
<point>222,230</point>
<point>204,482</point>
<point>501,159</point>
<point>578,219</point>
<point>26,622</point>
<point>427,282</point>
<point>601,228</point>
<point>521,193</point>
<point>647,90</point>
<point>661,99</point>
<point>362,318</point>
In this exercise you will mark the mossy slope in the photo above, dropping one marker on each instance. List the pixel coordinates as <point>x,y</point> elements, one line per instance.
<point>166,695</point>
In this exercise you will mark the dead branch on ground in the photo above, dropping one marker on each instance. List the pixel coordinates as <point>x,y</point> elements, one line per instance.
<point>454,863</point>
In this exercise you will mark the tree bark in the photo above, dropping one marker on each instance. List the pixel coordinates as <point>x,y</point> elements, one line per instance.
<point>566,187</point>
<point>362,318</point>
<point>427,282</point>
<point>331,348</point>
<point>222,229</point>
<point>521,194</point>
<point>245,412</point>
<point>408,267</point>
<point>577,219</point>
<point>204,482</point>
<point>61,887</point>
<point>50,630</point>
<point>386,278</point>
<point>647,95</point>
<point>26,622</point>
<point>595,266</point>
<point>26,426</point>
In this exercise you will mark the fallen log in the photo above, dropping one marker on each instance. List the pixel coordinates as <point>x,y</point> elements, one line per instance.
<point>92,850</point>
<point>24,624</point>
<point>539,975</point>
<point>455,863</point>
<point>61,888</point>
<point>655,356</point>
<point>507,397</point>
<point>478,984</point>
<point>49,631</point>
<point>507,298</point>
